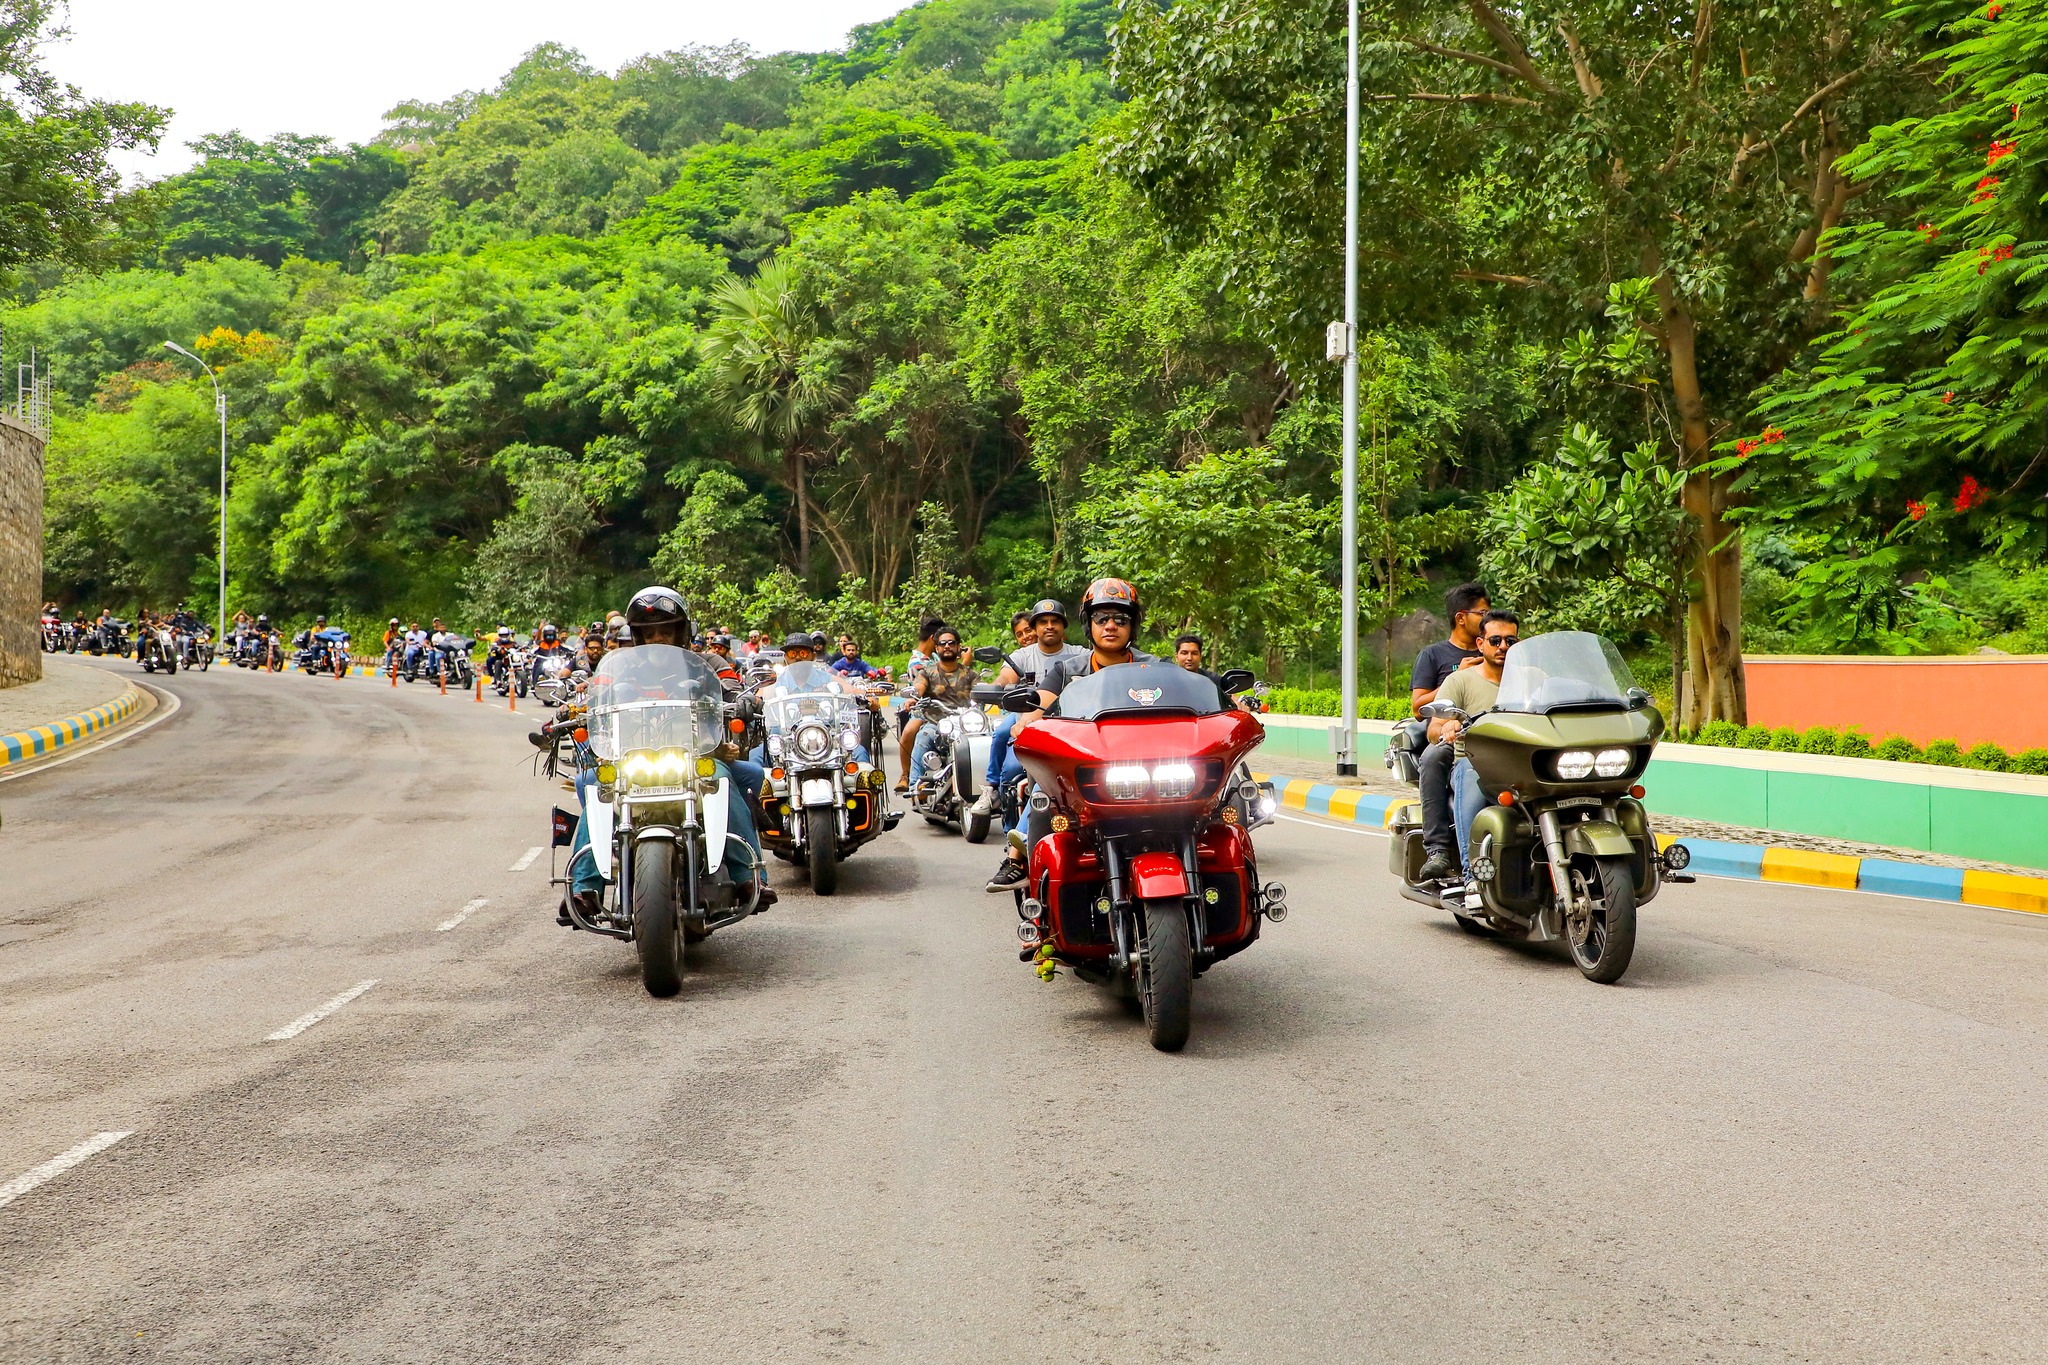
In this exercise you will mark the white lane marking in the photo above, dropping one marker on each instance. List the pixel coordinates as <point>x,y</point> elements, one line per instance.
<point>460,915</point>
<point>527,861</point>
<point>1326,824</point>
<point>57,1165</point>
<point>306,1021</point>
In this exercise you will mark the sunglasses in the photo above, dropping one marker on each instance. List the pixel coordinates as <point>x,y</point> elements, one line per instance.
<point>1500,639</point>
<point>949,644</point>
<point>1105,618</point>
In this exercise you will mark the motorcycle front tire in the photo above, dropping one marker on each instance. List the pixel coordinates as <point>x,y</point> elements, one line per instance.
<point>1611,938</point>
<point>657,931</point>
<point>1166,980</point>
<point>821,848</point>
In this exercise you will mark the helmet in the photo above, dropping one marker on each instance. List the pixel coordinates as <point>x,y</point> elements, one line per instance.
<point>657,606</point>
<point>818,641</point>
<point>394,623</point>
<point>800,639</point>
<point>262,620</point>
<point>320,620</point>
<point>547,633</point>
<point>1112,592</point>
<point>1048,607</point>
<point>504,632</point>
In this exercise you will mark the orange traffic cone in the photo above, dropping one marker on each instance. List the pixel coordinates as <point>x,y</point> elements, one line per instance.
<point>479,688</point>
<point>444,682</point>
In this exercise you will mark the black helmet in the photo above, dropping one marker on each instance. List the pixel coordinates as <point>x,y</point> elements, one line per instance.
<point>1048,607</point>
<point>1111,592</point>
<point>657,606</point>
<point>818,641</point>
<point>800,639</point>
<point>547,633</point>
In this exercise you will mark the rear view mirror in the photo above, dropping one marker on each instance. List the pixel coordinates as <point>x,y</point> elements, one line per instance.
<point>1441,710</point>
<point>988,654</point>
<point>1237,680</point>
<point>1022,699</point>
<point>1638,699</point>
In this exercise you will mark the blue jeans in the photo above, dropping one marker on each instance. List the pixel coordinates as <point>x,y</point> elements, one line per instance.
<point>739,819</point>
<point>1466,803</point>
<point>1011,773</point>
<point>927,739</point>
<point>999,748</point>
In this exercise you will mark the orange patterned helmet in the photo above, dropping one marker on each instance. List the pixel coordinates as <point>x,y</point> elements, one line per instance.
<point>1112,593</point>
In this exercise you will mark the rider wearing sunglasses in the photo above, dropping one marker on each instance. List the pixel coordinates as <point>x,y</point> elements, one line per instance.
<point>1472,690</point>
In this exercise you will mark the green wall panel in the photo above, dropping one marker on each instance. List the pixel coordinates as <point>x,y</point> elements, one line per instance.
<point>1706,791</point>
<point>1892,813</point>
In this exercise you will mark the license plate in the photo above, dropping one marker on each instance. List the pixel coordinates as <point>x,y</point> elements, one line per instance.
<point>1570,802</point>
<point>639,793</point>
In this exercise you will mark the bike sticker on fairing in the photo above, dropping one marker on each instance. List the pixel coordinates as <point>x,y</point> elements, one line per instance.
<point>1145,696</point>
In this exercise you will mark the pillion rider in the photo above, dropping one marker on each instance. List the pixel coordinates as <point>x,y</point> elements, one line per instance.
<point>1465,605</point>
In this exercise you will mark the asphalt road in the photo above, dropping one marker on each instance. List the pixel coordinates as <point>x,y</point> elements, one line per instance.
<point>1807,1126</point>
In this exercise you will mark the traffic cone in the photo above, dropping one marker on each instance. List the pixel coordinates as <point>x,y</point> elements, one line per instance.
<point>444,682</point>
<point>479,689</point>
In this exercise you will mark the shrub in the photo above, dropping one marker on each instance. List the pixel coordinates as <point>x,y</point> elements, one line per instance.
<point>1897,749</point>
<point>1988,757</point>
<point>1720,732</point>
<point>1943,752</point>
<point>2033,761</point>
<point>1818,740</point>
<point>1785,740</point>
<point>1753,737</point>
<point>1852,743</point>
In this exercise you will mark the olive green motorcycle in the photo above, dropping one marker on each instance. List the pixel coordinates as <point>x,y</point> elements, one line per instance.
<point>1562,847</point>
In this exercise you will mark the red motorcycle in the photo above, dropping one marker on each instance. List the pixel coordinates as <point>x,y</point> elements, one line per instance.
<point>1147,877</point>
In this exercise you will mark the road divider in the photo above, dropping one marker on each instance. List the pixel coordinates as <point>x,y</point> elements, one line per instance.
<point>1720,858</point>
<point>528,858</point>
<point>57,1165</point>
<point>39,740</point>
<point>312,1017</point>
<point>460,915</point>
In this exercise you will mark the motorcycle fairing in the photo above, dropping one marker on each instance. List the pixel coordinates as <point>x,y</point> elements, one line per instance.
<point>1068,876</point>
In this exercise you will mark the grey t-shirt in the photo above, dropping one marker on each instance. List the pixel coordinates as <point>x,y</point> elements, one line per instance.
<point>1031,662</point>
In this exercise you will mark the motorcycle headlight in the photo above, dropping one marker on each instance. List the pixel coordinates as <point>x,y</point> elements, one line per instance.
<point>850,737</point>
<point>949,726</point>
<point>1126,782</point>
<point>669,767</point>
<point>811,742</point>
<point>1612,762</point>
<point>973,723</point>
<point>775,745</point>
<point>1574,765</point>
<point>1173,781</point>
<point>638,769</point>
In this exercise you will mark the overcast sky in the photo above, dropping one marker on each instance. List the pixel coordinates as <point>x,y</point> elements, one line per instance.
<point>267,67</point>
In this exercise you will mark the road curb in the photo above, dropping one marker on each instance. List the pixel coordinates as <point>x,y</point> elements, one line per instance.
<point>39,740</point>
<point>1718,858</point>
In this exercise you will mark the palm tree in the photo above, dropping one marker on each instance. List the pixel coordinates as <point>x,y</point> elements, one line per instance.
<point>774,374</point>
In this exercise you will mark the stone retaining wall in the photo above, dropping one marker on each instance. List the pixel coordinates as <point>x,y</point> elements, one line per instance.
<point>21,552</point>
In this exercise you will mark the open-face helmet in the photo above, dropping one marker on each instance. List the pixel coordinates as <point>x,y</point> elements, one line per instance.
<point>799,639</point>
<point>1112,594</point>
<point>1049,607</point>
<point>657,606</point>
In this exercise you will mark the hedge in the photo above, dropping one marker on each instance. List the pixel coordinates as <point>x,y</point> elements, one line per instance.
<point>1850,743</point>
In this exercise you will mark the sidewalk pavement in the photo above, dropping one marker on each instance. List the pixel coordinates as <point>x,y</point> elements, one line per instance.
<point>73,701</point>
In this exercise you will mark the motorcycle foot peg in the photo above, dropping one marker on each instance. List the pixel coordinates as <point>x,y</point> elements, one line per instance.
<point>1680,878</point>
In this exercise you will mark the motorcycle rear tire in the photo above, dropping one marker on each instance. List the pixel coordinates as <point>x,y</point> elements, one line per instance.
<point>821,849</point>
<point>657,931</point>
<point>1611,938</point>
<point>1166,974</point>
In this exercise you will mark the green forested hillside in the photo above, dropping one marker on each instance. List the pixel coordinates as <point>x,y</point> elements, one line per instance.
<point>1008,292</point>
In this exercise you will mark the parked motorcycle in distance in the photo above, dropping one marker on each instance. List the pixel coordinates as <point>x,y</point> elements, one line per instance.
<point>658,812</point>
<point>1563,848</point>
<point>1147,878</point>
<point>822,803</point>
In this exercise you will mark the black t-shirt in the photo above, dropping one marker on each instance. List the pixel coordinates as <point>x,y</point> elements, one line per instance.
<point>1437,662</point>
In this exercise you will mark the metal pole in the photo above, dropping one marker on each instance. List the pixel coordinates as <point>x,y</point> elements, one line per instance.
<point>1347,734</point>
<point>220,407</point>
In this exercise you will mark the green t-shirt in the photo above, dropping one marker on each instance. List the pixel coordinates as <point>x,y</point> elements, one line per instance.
<point>1471,691</point>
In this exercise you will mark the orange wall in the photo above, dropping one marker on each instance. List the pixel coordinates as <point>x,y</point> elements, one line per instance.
<point>1967,698</point>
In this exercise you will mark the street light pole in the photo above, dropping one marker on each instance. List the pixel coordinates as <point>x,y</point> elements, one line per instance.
<point>1347,732</point>
<point>220,407</point>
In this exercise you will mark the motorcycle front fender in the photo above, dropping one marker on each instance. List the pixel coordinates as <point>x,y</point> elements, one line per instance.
<point>598,816</point>
<point>1598,839</point>
<point>975,753</point>
<point>819,791</point>
<point>1158,876</point>
<point>713,811</point>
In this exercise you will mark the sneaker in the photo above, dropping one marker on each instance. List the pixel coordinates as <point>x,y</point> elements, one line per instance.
<point>1438,867</point>
<point>1010,876</point>
<point>985,804</point>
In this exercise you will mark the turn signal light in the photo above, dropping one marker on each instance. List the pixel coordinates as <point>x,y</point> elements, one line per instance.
<point>580,735</point>
<point>852,766</point>
<point>1507,798</point>
<point>775,773</point>
<point>1638,792</point>
<point>737,726</point>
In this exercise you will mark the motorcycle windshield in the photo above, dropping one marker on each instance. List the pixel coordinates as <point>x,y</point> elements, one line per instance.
<point>807,691</point>
<point>1566,670</point>
<point>654,697</point>
<point>1138,689</point>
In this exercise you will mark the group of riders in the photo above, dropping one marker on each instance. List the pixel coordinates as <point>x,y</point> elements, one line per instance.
<point>941,667</point>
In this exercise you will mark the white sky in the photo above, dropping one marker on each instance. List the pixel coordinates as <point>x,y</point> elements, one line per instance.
<point>267,67</point>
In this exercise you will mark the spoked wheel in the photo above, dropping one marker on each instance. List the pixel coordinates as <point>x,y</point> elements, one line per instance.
<point>657,930</point>
<point>1602,925</point>
<point>1166,974</point>
<point>821,848</point>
